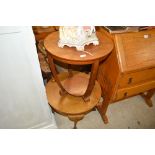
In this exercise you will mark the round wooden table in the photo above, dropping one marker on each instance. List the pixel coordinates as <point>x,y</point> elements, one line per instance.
<point>79,86</point>
<point>71,56</point>
<point>73,107</point>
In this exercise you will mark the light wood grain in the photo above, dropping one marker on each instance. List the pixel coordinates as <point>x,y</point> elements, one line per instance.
<point>77,84</point>
<point>129,70</point>
<point>137,77</point>
<point>68,104</point>
<point>134,90</point>
<point>135,50</point>
<point>71,56</point>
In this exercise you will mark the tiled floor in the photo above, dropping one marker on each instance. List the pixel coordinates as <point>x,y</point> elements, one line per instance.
<point>131,113</point>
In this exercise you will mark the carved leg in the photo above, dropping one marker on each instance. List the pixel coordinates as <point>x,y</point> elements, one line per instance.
<point>54,72</point>
<point>148,96</point>
<point>92,79</point>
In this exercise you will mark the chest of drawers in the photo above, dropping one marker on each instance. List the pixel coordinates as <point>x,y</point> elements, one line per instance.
<point>129,70</point>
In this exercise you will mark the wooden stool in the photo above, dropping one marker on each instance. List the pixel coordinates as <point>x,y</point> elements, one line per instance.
<point>71,106</point>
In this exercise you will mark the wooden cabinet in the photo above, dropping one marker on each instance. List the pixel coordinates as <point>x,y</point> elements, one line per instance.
<point>130,68</point>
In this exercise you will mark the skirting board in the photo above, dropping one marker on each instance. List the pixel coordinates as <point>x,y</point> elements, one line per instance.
<point>50,124</point>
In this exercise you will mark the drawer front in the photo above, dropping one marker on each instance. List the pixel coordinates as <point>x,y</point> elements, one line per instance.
<point>134,90</point>
<point>131,79</point>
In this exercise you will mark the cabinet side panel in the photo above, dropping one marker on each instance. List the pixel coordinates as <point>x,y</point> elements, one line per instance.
<point>108,76</point>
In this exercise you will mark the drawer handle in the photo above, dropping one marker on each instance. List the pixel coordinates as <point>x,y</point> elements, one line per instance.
<point>130,80</point>
<point>125,94</point>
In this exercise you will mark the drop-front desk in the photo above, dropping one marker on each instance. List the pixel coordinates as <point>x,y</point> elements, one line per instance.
<point>129,70</point>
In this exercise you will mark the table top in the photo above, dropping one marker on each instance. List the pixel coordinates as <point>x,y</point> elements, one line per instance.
<point>71,56</point>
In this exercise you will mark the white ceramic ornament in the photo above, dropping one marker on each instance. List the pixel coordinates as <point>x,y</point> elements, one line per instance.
<point>77,36</point>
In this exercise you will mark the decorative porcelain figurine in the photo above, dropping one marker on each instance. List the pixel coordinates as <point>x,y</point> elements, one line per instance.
<point>77,36</point>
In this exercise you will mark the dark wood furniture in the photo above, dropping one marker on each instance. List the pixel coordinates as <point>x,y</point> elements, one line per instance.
<point>76,85</point>
<point>129,70</point>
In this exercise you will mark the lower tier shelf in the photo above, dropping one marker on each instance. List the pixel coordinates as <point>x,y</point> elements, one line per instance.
<point>69,104</point>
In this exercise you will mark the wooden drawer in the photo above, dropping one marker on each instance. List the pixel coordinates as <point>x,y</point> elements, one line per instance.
<point>134,90</point>
<point>137,78</point>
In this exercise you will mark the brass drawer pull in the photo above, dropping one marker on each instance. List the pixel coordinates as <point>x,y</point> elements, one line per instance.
<point>130,80</point>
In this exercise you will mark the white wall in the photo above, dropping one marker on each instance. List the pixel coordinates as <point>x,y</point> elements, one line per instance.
<point>23,102</point>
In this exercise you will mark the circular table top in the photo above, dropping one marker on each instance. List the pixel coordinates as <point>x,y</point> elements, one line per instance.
<point>71,56</point>
<point>68,104</point>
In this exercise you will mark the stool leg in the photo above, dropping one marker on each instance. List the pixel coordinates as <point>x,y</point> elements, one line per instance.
<point>92,79</point>
<point>53,69</point>
<point>75,125</point>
